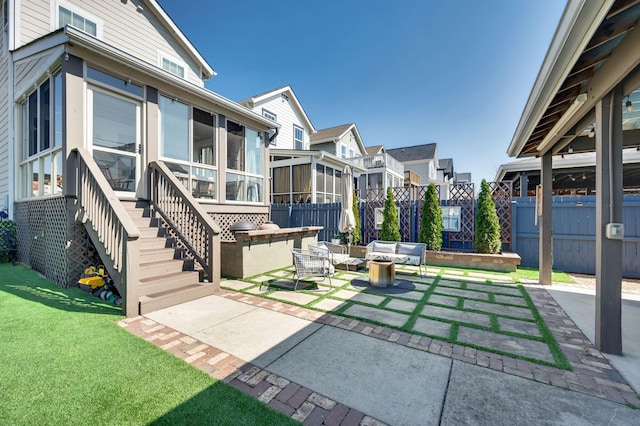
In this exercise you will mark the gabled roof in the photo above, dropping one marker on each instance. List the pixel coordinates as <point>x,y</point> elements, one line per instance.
<point>165,19</point>
<point>446,164</point>
<point>333,134</point>
<point>375,149</point>
<point>414,153</point>
<point>283,90</point>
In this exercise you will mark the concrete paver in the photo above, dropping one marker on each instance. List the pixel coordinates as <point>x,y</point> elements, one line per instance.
<point>515,345</point>
<point>432,327</point>
<point>456,315</point>
<point>443,300</point>
<point>392,318</point>
<point>462,293</point>
<point>499,309</point>
<point>401,305</point>
<point>510,290</point>
<point>516,326</point>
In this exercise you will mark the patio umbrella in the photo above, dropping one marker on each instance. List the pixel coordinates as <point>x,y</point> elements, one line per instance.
<point>347,223</point>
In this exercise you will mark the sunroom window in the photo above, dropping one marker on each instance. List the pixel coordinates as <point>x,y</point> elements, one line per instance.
<point>41,154</point>
<point>245,151</point>
<point>188,145</point>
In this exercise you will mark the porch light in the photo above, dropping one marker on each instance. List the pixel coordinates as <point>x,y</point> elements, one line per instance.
<point>629,105</point>
<point>570,150</point>
<point>592,132</point>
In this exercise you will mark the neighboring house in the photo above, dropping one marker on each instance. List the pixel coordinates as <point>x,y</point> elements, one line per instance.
<point>573,174</point>
<point>100,100</point>
<point>315,175</point>
<point>381,169</point>
<point>445,170</point>
<point>422,160</point>
<point>282,106</point>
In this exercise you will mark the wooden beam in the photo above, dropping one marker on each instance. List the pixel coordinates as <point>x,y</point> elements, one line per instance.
<point>608,327</point>
<point>545,258</point>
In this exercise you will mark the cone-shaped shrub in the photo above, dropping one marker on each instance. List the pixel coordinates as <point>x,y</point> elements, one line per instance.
<point>357,233</point>
<point>487,223</point>
<point>431,223</point>
<point>390,225</point>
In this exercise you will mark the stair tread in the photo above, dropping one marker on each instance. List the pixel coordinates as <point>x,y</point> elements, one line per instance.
<point>172,291</point>
<point>166,277</point>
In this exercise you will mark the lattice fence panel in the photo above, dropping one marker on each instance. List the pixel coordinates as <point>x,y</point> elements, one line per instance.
<point>41,237</point>
<point>225,220</point>
<point>374,199</point>
<point>80,254</point>
<point>463,195</point>
<point>403,199</point>
<point>501,193</point>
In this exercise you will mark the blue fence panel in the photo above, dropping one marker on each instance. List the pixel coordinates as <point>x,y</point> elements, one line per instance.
<point>574,234</point>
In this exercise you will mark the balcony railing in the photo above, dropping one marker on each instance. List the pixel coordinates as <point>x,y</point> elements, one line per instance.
<point>379,161</point>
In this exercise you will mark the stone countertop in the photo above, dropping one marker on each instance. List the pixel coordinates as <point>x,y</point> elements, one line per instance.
<point>276,233</point>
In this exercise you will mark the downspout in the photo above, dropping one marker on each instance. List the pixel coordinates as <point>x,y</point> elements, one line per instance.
<point>11,124</point>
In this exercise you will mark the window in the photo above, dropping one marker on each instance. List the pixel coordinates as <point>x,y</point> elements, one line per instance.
<point>114,82</point>
<point>187,141</point>
<point>268,115</point>
<point>298,137</point>
<point>41,156</point>
<point>71,15</point>
<point>451,218</point>
<point>351,153</point>
<point>343,151</point>
<point>245,153</point>
<point>173,65</point>
<point>327,184</point>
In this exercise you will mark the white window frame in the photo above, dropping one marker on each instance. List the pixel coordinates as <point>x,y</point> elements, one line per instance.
<point>163,55</point>
<point>295,127</point>
<point>269,115</point>
<point>52,153</point>
<point>55,17</point>
<point>451,217</point>
<point>190,163</point>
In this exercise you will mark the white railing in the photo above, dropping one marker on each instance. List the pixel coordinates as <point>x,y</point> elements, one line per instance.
<point>379,161</point>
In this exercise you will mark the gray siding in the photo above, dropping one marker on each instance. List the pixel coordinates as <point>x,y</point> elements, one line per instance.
<point>4,123</point>
<point>29,70</point>
<point>123,27</point>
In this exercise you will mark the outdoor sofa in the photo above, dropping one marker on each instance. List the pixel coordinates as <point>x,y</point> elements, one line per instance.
<point>400,253</point>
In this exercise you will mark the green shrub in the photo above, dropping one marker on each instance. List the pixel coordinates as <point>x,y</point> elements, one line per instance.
<point>357,233</point>
<point>11,227</point>
<point>431,224</point>
<point>487,223</point>
<point>390,223</point>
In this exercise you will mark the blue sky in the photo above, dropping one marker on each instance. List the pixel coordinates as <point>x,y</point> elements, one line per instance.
<point>407,73</point>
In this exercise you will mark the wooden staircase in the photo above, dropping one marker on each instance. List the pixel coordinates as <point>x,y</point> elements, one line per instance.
<point>166,277</point>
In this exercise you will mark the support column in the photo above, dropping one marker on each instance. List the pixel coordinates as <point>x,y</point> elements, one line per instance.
<point>524,185</point>
<point>608,335</point>
<point>545,257</point>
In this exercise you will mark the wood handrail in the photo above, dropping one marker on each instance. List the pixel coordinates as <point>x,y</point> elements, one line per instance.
<point>196,230</point>
<point>111,225</point>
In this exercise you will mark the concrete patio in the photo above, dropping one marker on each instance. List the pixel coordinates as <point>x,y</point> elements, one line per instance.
<point>404,356</point>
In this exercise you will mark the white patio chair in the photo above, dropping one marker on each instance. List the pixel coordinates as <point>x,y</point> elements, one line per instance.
<point>312,263</point>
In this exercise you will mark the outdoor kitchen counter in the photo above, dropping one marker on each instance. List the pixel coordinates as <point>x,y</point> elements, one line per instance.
<point>259,251</point>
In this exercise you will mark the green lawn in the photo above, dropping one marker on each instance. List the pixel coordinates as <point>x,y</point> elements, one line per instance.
<point>66,361</point>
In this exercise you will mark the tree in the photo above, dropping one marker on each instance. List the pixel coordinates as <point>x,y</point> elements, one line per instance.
<point>487,223</point>
<point>431,223</point>
<point>390,224</point>
<point>357,233</point>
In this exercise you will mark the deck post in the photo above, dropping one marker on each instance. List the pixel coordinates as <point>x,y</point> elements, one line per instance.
<point>545,257</point>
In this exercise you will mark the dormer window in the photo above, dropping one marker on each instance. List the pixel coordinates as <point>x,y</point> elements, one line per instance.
<point>72,16</point>
<point>173,65</point>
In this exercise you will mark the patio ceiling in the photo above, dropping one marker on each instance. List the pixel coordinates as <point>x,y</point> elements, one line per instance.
<point>601,50</point>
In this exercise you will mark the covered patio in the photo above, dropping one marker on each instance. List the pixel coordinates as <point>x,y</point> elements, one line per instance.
<point>588,84</point>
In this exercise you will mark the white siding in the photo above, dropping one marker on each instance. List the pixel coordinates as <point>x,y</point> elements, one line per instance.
<point>4,123</point>
<point>350,141</point>
<point>137,33</point>
<point>421,169</point>
<point>287,117</point>
<point>29,70</point>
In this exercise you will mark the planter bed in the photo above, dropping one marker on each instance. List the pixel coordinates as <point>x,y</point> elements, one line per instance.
<point>504,262</point>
